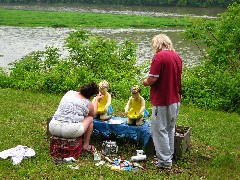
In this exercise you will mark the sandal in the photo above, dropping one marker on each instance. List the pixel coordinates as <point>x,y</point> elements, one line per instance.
<point>91,149</point>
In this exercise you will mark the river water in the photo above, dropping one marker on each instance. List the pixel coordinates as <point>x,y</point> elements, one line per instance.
<point>16,42</point>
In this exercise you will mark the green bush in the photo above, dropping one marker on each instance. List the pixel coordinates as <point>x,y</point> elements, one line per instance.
<point>216,84</point>
<point>4,82</point>
<point>212,89</point>
<point>91,58</point>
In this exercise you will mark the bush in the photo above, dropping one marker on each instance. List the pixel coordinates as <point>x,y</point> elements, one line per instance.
<point>216,84</point>
<point>91,58</point>
<point>212,89</point>
<point>4,82</point>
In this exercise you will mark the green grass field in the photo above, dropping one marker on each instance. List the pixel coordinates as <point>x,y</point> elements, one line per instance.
<point>80,20</point>
<point>215,143</point>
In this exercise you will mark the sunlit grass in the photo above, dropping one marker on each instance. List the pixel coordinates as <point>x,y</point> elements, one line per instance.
<point>215,144</point>
<point>30,18</point>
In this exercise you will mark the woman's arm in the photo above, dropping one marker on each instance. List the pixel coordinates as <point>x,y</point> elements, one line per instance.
<point>93,106</point>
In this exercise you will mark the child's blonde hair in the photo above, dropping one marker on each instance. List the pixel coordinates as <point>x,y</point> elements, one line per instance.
<point>103,84</point>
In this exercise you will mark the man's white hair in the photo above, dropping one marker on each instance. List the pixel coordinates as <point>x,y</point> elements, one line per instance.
<point>161,41</point>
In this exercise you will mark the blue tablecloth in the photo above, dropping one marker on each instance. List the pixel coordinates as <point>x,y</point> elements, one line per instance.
<point>138,133</point>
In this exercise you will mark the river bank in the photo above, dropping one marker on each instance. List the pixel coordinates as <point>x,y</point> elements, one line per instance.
<point>17,42</point>
<point>155,11</point>
<point>23,29</point>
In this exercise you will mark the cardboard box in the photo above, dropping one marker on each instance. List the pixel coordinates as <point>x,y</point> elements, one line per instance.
<point>182,141</point>
<point>181,144</point>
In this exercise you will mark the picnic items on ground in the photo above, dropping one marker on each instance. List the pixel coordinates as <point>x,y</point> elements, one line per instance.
<point>110,148</point>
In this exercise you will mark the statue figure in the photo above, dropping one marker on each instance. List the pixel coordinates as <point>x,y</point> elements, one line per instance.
<point>135,108</point>
<point>104,105</point>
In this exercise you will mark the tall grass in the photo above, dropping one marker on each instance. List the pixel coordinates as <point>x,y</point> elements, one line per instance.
<point>215,144</point>
<point>31,18</point>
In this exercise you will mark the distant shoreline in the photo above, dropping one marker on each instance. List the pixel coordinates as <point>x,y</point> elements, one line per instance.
<point>121,10</point>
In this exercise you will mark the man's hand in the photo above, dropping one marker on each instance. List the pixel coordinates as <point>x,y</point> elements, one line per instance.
<point>150,80</point>
<point>145,82</point>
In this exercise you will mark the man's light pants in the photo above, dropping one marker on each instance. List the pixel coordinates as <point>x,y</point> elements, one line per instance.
<point>163,123</point>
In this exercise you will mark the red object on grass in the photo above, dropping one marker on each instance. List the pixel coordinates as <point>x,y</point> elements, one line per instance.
<point>64,148</point>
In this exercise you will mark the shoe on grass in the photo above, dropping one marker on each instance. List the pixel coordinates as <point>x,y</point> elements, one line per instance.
<point>165,167</point>
<point>160,166</point>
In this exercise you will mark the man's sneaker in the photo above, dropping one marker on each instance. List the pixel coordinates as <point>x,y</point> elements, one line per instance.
<point>165,167</point>
<point>160,166</point>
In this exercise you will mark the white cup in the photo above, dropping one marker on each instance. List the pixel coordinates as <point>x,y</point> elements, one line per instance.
<point>139,152</point>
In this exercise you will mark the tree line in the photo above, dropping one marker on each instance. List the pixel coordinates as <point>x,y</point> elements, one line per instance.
<point>183,3</point>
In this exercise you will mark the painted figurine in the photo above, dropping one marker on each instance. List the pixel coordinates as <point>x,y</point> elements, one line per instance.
<point>104,106</point>
<point>135,108</point>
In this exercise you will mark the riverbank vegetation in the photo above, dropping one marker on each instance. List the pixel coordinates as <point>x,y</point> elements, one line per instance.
<point>215,83</point>
<point>91,58</point>
<point>212,85</point>
<point>183,3</point>
<point>30,18</point>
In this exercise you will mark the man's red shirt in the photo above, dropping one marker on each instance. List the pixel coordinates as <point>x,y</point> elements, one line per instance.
<point>167,67</point>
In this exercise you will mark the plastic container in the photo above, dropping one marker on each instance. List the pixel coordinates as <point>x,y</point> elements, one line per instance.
<point>139,152</point>
<point>139,158</point>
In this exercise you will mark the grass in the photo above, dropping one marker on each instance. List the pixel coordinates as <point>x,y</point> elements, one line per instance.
<point>30,18</point>
<point>215,143</point>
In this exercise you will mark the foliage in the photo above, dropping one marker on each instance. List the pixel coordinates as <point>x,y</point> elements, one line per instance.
<point>209,88</point>
<point>216,83</point>
<point>3,78</point>
<point>91,58</point>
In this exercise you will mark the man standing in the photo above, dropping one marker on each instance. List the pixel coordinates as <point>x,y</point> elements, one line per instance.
<point>164,80</point>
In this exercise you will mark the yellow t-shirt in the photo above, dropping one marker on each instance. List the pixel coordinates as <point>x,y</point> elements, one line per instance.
<point>102,104</point>
<point>133,113</point>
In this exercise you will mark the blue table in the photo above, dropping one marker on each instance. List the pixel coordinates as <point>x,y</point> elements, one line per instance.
<point>139,133</point>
